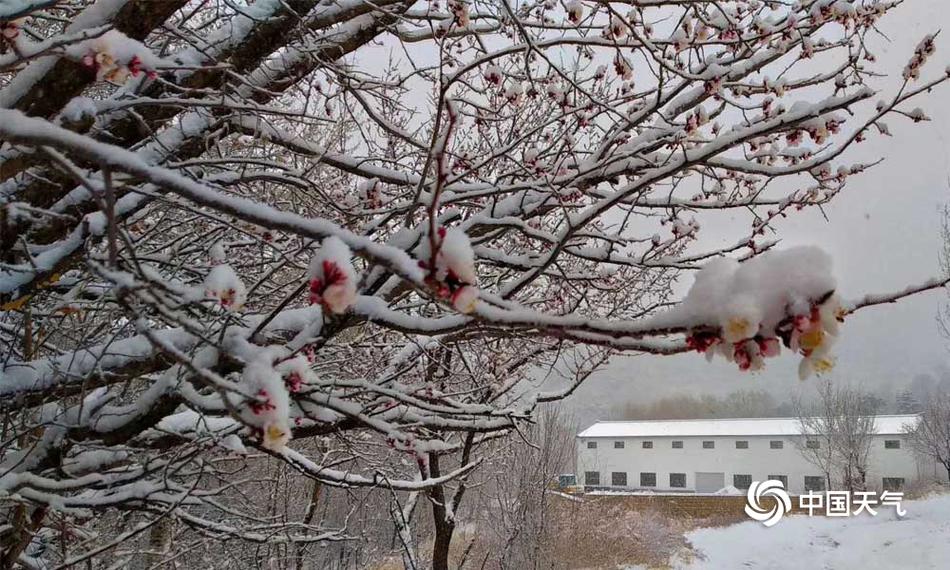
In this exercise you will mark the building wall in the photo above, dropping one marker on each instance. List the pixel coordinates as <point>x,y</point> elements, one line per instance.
<point>759,460</point>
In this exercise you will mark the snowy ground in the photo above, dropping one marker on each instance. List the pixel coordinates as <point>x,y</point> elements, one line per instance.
<point>919,540</point>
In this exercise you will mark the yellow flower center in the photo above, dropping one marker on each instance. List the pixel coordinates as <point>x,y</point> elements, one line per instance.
<point>274,432</point>
<point>738,327</point>
<point>823,365</point>
<point>811,339</point>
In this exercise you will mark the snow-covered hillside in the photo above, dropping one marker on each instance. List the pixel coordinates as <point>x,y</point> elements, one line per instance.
<point>919,540</point>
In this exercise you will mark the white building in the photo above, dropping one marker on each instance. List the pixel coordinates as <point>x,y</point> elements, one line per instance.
<point>703,456</point>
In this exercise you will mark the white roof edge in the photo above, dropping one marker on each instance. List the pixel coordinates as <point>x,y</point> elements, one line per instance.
<point>885,424</point>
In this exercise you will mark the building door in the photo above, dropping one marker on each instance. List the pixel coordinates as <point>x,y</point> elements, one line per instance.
<point>710,482</point>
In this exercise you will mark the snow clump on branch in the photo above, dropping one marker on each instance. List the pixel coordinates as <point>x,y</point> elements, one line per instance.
<point>743,311</point>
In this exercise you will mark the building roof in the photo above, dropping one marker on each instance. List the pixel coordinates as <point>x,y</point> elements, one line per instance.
<point>726,427</point>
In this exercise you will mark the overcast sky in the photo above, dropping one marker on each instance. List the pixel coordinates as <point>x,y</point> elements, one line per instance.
<point>883,233</point>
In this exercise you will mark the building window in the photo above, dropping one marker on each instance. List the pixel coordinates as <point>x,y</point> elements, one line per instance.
<point>742,444</point>
<point>814,483</point>
<point>648,479</point>
<point>677,444</point>
<point>812,444</point>
<point>591,478</point>
<point>709,445</point>
<point>591,445</point>
<point>566,480</point>
<point>678,480</point>
<point>893,483</point>
<point>618,479</point>
<point>776,444</point>
<point>782,478</point>
<point>742,481</point>
<point>618,445</point>
<point>892,444</point>
<point>647,445</point>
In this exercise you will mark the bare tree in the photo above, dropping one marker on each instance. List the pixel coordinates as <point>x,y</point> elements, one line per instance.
<point>520,502</point>
<point>837,433</point>
<point>930,437</point>
<point>341,248</point>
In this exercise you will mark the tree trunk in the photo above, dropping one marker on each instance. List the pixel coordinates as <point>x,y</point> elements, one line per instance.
<point>444,525</point>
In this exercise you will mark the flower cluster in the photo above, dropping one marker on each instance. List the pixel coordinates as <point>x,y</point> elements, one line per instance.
<point>742,339</point>
<point>924,49</point>
<point>746,311</point>
<point>813,335</point>
<point>818,129</point>
<point>332,277</point>
<point>112,67</point>
<point>453,273</point>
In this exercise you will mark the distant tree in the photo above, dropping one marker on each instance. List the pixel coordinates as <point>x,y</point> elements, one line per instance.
<point>737,404</point>
<point>907,403</point>
<point>931,436</point>
<point>517,516</point>
<point>842,424</point>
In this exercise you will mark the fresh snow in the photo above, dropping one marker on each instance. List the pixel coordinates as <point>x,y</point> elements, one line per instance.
<point>760,290</point>
<point>919,540</point>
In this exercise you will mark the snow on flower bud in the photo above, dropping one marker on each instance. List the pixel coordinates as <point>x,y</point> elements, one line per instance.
<point>332,277</point>
<point>575,11</point>
<point>742,319</point>
<point>218,253</point>
<point>513,92</point>
<point>623,68</point>
<point>454,276</point>
<point>744,310</point>
<point>459,9</point>
<point>296,373</point>
<point>464,299</point>
<point>223,284</point>
<point>617,28</point>
<point>276,436</point>
<point>268,407</point>
<point>11,29</point>
<point>456,258</point>
<point>493,74</point>
<point>115,57</point>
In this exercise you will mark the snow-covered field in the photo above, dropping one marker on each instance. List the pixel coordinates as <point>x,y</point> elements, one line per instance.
<point>919,540</point>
